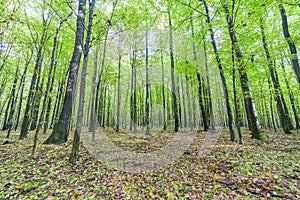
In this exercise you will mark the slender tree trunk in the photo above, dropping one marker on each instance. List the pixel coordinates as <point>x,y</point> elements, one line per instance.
<point>271,105</point>
<point>119,86</point>
<point>37,99</point>
<point>200,87</point>
<point>290,42</point>
<point>183,103</point>
<point>108,110</point>
<point>133,106</point>
<point>201,102</point>
<point>60,131</point>
<point>31,95</point>
<point>179,101</point>
<point>75,148</point>
<point>92,125</point>
<point>174,97</point>
<point>189,103</point>
<point>163,90</point>
<point>223,79</point>
<point>104,55</point>
<point>212,121</point>
<point>22,85</point>
<point>5,126</point>
<point>286,111</point>
<point>283,116</point>
<point>57,108</point>
<point>238,121</point>
<point>13,104</point>
<point>147,103</point>
<point>249,102</point>
<point>47,101</point>
<point>292,99</point>
<point>47,98</point>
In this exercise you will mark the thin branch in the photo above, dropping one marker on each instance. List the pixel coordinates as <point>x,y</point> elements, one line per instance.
<point>194,9</point>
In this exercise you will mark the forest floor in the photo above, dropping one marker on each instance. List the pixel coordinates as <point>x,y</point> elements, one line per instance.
<point>267,169</point>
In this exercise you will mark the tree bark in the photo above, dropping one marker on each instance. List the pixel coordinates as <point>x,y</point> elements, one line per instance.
<point>249,102</point>
<point>292,99</point>
<point>292,46</point>
<point>31,95</point>
<point>283,116</point>
<point>174,97</point>
<point>13,103</point>
<point>223,79</point>
<point>147,114</point>
<point>75,148</point>
<point>163,90</point>
<point>60,131</point>
<point>211,112</point>
<point>119,85</point>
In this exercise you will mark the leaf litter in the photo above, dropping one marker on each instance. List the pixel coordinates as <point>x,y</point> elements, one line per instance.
<point>267,169</point>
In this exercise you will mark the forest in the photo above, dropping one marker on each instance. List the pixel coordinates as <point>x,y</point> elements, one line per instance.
<point>149,99</point>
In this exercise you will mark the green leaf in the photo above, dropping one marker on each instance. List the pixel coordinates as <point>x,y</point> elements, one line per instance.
<point>28,186</point>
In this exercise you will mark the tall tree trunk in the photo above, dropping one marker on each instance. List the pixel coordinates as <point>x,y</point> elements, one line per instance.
<point>183,104</point>
<point>37,99</point>
<point>249,102</point>
<point>238,120</point>
<point>223,79</point>
<point>22,85</point>
<point>292,99</point>
<point>147,114</point>
<point>174,97</point>
<point>201,102</point>
<point>5,127</point>
<point>189,103</point>
<point>104,56</point>
<point>47,98</point>
<point>60,131</point>
<point>92,124</point>
<point>200,87</point>
<point>13,103</point>
<point>163,90</point>
<point>271,105</point>
<point>57,108</point>
<point>283,116</point>
<point>51,76</point>
<point>119,85</point>
<point>133,106</point>
<point>290,42</point>
<point>31,95</point>
<point>211,112</point>
<point>179,101</point>
<point>75,148</point>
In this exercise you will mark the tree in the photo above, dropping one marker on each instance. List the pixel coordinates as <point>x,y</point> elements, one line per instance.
<point>249,102</point>
<point>283,115</point>
<point>78,128</point>
<point>60,131</point>
<point>174,96</point>
<point>40,44</point>
<point>292,46</point>
<point>224,84</point>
